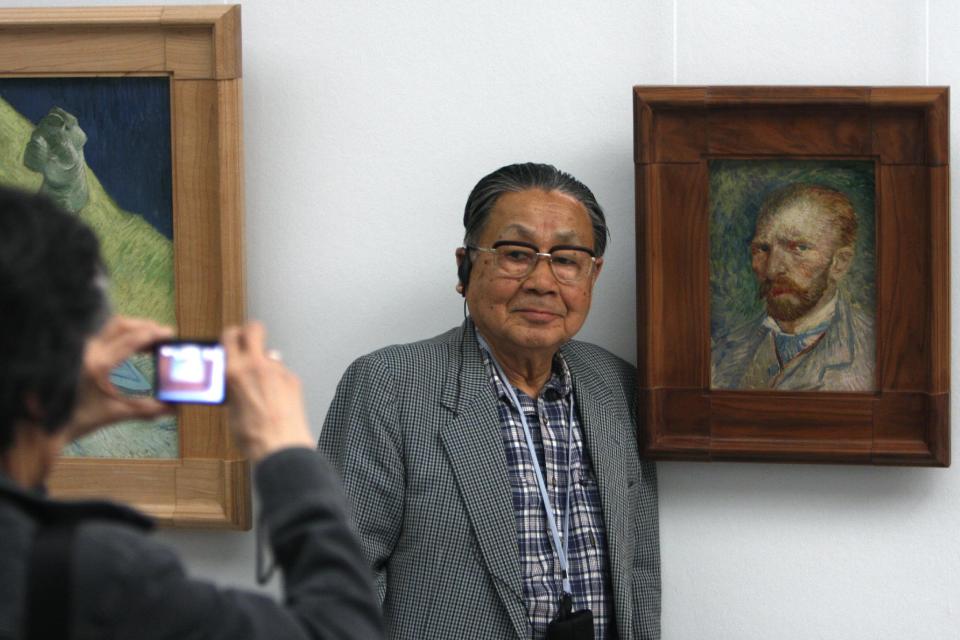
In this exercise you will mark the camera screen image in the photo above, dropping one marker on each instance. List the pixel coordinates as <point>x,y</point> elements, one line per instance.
<point>190,372</point>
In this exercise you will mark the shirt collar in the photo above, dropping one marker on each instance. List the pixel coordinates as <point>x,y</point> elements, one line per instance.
<point>558,386</point>
<point>815,323</point>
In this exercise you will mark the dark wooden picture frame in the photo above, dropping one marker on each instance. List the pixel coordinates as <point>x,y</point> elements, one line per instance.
<point>198,48</point>
<point>904,131</point>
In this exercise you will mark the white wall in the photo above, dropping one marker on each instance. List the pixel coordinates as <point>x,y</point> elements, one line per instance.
<point>367,124</point>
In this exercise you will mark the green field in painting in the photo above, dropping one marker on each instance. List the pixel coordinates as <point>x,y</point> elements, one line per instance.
<point>140,261</point>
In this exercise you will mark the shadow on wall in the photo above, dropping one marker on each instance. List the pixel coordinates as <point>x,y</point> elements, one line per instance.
<point>827,486</point>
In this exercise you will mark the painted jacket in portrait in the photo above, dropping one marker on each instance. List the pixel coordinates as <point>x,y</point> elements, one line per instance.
<point>842,360</point>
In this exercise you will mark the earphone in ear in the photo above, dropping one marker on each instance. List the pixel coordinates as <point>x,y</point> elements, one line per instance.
<point>463,272</point>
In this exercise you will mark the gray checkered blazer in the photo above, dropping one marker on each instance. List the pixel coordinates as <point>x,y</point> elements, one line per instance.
<point>414,432</point>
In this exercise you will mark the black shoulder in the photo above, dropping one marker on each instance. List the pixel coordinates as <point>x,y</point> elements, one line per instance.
<point>105,550</point>
<point>115,568</point>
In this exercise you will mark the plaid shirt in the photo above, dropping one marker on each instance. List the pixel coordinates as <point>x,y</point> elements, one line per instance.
<point>548,418</point>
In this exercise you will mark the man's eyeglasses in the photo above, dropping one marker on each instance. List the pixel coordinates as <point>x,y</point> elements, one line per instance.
<point>515,259</point>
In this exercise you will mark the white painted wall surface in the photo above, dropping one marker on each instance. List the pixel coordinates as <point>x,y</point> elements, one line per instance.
<point>366,125</point>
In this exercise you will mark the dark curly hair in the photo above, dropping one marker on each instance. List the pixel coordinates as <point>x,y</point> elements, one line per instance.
<point>52,298</point>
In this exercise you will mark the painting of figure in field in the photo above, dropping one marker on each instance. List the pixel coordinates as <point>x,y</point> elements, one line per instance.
<point>792,275</point>
<point>100,148</point>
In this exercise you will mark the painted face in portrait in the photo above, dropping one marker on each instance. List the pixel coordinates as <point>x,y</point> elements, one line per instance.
<point>797,261</point>
<point>536,313</point>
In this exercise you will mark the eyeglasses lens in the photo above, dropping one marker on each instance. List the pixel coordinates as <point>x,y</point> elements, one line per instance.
<point>569,265</point>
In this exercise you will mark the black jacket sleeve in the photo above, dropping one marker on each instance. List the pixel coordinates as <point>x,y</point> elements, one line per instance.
<point>129,586</point>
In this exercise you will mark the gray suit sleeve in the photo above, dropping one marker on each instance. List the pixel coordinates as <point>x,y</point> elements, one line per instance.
<point>132,587</point>
<point>361,437</point>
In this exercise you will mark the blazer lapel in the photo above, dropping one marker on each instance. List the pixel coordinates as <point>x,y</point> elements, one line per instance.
<point>600,433</point>
<point>474,448</point>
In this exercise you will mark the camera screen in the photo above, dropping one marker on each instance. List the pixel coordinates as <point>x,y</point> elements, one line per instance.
<point>190,372</point>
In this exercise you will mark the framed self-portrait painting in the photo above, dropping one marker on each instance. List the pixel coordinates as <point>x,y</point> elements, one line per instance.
<point>793,273</point>
<point>129,118</point>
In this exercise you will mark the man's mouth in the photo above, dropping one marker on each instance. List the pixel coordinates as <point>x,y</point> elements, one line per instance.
<point>776,288</point>
<point>780,291</point>
<point>534,313</point>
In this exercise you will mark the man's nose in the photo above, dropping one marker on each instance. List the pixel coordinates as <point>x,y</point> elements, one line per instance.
<point>541,279</point>
<point>776,262</point>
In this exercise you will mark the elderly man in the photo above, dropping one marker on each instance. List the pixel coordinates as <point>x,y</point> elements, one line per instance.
<point>493,469</point>
<point>88,569</point>
<point>812,337</point>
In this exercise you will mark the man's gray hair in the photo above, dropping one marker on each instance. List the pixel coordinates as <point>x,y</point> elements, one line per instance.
<point>529,175</point>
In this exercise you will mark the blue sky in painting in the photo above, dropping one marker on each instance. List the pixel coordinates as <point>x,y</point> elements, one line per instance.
<point>127,122</point>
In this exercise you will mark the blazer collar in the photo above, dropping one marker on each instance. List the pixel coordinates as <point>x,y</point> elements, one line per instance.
<point>464,367</point>
<point>840,337</point>
<point>836,349</point>
<point>599,419</point>
<point>474,447</point>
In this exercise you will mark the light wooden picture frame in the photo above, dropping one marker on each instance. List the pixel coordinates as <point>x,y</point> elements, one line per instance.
<point>198,49</point>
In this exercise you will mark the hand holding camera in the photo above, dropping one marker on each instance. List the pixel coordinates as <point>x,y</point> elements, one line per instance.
<point>265,398</point>
<point>99,402</point>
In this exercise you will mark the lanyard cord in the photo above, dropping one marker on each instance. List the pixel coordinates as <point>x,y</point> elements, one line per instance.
<point>561,547</point>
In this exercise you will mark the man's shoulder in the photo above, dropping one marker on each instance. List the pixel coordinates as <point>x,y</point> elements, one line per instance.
<point>733,349</point>
<point>399,367</point>
<point>861,320</point>
<point>743,330</point>
<point>106,546</point>
<point>111,545</point>
<point>413,353</point>
<point>585,355</point>
<point>111,560</point>
<point>856,331</point>
<point>111,538</point>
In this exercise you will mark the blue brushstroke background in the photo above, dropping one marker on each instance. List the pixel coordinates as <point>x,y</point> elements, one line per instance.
<point>127,122</point>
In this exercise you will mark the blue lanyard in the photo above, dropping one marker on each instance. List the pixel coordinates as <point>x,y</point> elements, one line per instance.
<point>561,546</point>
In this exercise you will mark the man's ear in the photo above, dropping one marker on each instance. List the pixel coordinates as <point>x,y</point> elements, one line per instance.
<point>597,266</point>
<point>842,259</point>
<point>30,459</point>
<point>461,254</point>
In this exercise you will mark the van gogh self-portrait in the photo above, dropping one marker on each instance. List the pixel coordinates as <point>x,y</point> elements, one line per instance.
<point>792,268</point>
